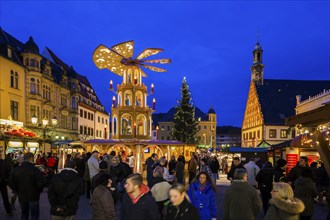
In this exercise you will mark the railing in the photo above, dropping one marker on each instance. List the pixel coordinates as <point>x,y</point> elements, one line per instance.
<point>311,98</point>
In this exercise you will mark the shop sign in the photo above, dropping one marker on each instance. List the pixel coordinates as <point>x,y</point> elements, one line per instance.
<point>15,144</point>
<point>32,144</point>
<point>11,122</point>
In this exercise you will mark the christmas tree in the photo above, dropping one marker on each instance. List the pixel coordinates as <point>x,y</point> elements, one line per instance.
<point>185,125</point>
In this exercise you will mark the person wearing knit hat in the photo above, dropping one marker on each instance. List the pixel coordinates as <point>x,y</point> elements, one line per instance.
<point>279,175</point>
<point>103,169</point>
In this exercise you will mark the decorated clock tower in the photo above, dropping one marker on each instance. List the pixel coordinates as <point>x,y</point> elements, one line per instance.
<point>257,67</point>
<point>131,115</point>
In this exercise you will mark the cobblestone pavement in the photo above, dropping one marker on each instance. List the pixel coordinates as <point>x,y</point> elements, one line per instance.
<point>85,210</point>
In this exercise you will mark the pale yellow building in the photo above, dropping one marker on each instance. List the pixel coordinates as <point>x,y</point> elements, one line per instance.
<point>206,134</point>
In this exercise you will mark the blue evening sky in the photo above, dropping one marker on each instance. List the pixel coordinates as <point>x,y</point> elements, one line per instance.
<point>209,42</point>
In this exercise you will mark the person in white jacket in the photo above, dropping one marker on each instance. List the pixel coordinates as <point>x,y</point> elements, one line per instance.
<point>252,170</point>
<point>166,175</point>
<point>93,164</point>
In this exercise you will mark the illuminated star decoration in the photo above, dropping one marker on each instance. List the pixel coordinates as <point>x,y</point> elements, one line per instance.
<point>119,58</point>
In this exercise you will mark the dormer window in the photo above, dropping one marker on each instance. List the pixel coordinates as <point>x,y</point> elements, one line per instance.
<point>10,52</point>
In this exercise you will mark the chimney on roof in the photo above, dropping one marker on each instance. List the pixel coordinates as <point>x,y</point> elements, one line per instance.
<point>298,98</point>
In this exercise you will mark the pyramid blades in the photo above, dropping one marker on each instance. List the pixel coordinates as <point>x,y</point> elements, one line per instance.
<point>104,57</point>
<point>148,52</point>
<point>153,68</point>
<point>160,61</point>
<point>125,49</point>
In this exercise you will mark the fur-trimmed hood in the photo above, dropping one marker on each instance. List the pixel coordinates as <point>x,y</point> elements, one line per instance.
<point>294,206</point>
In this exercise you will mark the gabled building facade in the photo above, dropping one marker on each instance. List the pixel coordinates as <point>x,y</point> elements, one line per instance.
<point>269,102</point>
<point>91,118</point>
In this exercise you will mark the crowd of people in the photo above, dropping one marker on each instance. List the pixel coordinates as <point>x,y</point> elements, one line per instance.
<point>116,192</point>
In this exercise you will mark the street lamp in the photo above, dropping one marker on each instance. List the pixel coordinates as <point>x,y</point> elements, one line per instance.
<point>44,125</point>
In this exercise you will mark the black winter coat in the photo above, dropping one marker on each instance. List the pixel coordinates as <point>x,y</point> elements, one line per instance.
<point>296,172</point>
<point>63,193</point>
<point>144,209</point>
<point>214,166</point>
<point>232,170</point>
<point>279,175</point>
<point>4,172</point>
<point>265,179</point>
<point>27,181</point>
<point>185,211</point>
<point>305,190</point>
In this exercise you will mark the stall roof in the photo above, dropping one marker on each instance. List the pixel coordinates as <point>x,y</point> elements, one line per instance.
<point>247,149</point>
<point>133,141</point>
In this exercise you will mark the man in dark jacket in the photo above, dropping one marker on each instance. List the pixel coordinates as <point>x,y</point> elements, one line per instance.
<point>236,164</point>
<point>150,166</point>
<point>119,172</point>
<point>27,181</point>
<point>279,170</point>
<point>242,201</point>
<point>4,176</point>
<point>64,191</point>
<point>265,178</point>
<point>137,202</point>
<point>296,171</point>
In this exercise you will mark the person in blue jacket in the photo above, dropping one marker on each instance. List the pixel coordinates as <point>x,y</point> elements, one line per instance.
<point>202,196</point>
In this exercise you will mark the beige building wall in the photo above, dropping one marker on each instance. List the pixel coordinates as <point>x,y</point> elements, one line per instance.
<point>12,94</point>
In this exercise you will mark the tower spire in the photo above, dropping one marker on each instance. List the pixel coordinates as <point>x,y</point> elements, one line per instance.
<point>257,68</point>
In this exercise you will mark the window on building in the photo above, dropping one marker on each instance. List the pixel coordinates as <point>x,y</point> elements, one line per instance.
<point>250,135</point>
<point>81,113</point>
<point>85,114</point>
<point>98,119</point>
<point>168,128</point>
<point>254,134</point>
<point>92,131</point>
<point>284,133</point>
<point>81,129</point>
<point>64,121</point>
<point>13,79</point>
<point>100,133</point>
<point>85,130</point>
<point>74,123</point>
<point>272,133</point>
<point>102,120</point>
<point>205,127</point>
<point>89,116</point>
<point>14,110</point>
<point>46,92</point>
<point>64,100</point>
<point>258,134</point>
<point>32,86</point>
<point>92,117</point>
<point>10,52</point>
<point>73,102</point>
<point>106,121</point>
<point>33,62</point>
<point>88,131</point>
<point>34,110</point>
<point>46,113</point>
